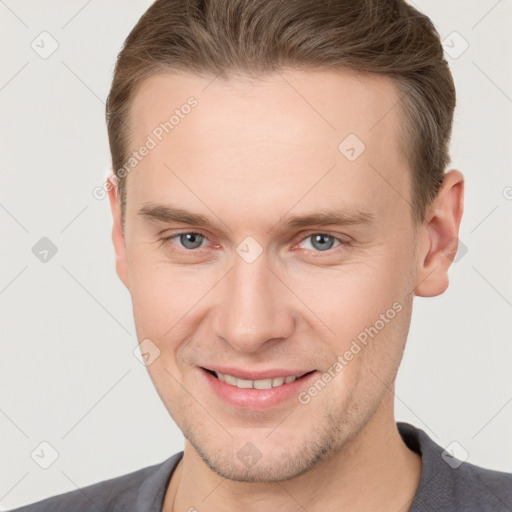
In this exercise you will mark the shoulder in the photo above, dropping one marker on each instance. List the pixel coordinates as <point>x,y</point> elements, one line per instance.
<point>448,484</point>
<point>478,488</point>
<point>143,489</point>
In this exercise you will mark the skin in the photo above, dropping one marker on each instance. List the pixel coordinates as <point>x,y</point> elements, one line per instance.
<point>250,154</point>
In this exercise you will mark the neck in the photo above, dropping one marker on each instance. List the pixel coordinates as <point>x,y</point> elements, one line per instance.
<point>375,470</point>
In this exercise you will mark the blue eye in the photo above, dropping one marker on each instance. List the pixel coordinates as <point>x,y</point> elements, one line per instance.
<point>189,240</point>
<point>322,242</point>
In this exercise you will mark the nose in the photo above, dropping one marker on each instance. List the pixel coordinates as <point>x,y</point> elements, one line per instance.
<point>254,308</point>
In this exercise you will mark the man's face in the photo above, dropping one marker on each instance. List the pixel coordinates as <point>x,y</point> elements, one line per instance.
<point>249,292</point>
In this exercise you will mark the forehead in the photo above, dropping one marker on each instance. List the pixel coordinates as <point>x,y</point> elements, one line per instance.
<point>332,101</point>
<point>275,135</point>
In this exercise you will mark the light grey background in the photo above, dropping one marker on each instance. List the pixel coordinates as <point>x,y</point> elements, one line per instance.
<point>69,375</point>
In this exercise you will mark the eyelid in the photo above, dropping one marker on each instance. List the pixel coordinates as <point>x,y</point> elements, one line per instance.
<point>303,237</point>
<point>168,238</point>
<point>311,232</point>
<point>342,241</point>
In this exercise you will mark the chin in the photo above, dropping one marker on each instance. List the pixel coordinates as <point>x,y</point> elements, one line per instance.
<point>264,460</point>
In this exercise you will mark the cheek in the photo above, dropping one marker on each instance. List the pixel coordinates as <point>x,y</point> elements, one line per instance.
<point>162,296</point>
<point>362,312</point>
<point>154,302</point>
<point>167,298</point>
<point>342,301</point>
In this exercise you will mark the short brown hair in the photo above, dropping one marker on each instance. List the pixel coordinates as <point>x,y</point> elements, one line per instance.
<point>256,37</point>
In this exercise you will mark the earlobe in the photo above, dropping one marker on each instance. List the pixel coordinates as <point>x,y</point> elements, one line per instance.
<point>438,240</point>
<point>117,231</point>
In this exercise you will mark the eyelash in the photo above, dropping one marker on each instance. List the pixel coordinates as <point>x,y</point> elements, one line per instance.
<point>341,245</point>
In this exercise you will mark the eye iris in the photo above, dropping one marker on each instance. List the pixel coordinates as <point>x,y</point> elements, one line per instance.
<point>321,238</point>
<point>193,239</point>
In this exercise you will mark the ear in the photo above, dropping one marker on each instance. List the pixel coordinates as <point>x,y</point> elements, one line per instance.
<point>438,238</point>
<point>117,230</point>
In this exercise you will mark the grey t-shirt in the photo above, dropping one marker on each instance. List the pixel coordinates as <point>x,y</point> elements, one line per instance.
<point>446,485</point>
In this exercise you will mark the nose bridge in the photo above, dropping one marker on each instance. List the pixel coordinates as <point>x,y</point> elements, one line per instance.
<point>252,309</point>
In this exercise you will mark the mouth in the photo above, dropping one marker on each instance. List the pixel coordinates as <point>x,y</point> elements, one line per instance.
<point>279,388</point>
<point>267,383</point>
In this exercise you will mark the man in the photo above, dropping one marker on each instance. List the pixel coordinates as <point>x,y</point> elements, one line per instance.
<point>246,135</point>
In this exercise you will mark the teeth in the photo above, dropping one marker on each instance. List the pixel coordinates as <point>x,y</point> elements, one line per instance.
<point>245,384</point>
<point>278,381</point>
<point>256,384</point>
<point>228,379</point>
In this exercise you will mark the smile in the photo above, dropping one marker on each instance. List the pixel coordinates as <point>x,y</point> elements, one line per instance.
<point>256,394</point>
<point>256,384</point>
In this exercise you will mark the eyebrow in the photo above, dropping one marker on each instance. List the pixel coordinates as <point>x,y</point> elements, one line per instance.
<point>325,217</point>
<point>169,214</point>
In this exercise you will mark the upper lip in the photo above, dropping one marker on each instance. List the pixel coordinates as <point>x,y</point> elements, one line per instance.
<point>258,374</point>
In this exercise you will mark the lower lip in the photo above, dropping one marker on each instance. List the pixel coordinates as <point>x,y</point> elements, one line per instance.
<point>257,399</point>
